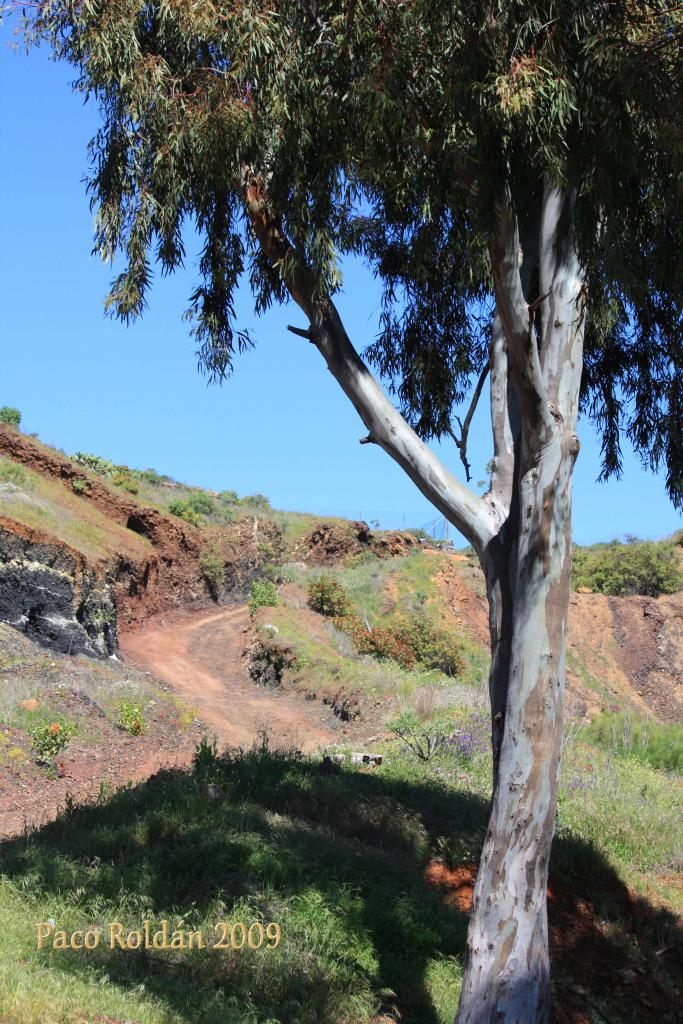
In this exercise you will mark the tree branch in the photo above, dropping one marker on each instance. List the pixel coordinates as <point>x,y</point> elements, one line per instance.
<point>461,442</point>
<point>563,302</point>
<point>505,423</point>
<point>474,517</point>
<point>517,320</point>
<point>302,332</point>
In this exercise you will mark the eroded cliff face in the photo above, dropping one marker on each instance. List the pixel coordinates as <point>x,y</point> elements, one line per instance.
<point>141,563</point>
<point>49,592</point>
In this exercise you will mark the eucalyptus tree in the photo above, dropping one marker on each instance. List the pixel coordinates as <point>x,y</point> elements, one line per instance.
<point>510,171</point>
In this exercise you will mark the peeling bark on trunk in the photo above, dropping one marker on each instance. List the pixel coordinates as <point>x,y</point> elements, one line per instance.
<point>527,568</point>
<point>507,974</point>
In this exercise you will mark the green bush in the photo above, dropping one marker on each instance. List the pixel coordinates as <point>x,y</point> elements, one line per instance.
<point>263,594</point>
<point>432,646</point>
<point>151,476</point>
<point>650,742</point>
<point>95,463</point>
<point>131,718</point>
<point>639,567</point>
<point>212,565</point>
<point>182,510</point>
<point>201,503</point>
<point>79,486</point>
<point>10,416</point>
<point>256,501</point>
<point>50,738</point>
<point>422,738</point>
<point>125,481</point>
<point>327,596</point>
<point>230,497</point>
<point>206,763</point>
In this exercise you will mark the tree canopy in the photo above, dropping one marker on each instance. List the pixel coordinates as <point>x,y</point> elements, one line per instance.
<point>390,130</point>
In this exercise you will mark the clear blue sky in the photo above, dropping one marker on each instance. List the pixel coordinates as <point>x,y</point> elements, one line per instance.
<point>279,426</point>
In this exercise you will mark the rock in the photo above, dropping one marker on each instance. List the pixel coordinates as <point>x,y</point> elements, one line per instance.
<point>269,625</point>
<point>49,592</point>
<point>214,792</point>
<point>359,758</point>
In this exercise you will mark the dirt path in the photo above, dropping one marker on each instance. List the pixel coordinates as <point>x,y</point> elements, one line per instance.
<point>201,658</point>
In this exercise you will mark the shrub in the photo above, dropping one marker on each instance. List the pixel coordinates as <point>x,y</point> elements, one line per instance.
<point>50,738</point>
<point>212,565</point>
<point>642,738</point>
<point>10,416</point>
<point>230,497</point>
<point>432,646</point>
<point>380,642</point>
<point>206,764</point>
<point>415,640</point>
<point>327,596</point>
<point>639,567</point>
<point>201,503</point>
<point>125,481</point>
<point>95,463</point>
<point>263,594</point>
<point>256,501</point>
<point>151,476</point>
<point>131,718</point>
<point>80,486</point>
<point>423,739</point>
<point>181,510</point>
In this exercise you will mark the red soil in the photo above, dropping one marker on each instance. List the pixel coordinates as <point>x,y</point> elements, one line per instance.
<point>588,962</point>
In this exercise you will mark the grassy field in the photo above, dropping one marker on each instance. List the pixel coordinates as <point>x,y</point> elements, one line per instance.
<point>340,860</point>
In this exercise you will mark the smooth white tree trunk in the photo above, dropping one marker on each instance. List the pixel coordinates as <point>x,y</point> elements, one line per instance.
<point>506,980</point>
<point>528,567</point>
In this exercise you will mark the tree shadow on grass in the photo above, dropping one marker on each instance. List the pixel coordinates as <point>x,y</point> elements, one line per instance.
<point>337,857</point>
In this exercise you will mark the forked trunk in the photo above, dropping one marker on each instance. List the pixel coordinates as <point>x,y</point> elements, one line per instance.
<point>527,568</point>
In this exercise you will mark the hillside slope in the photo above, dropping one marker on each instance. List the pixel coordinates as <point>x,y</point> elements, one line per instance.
<point>82,560</point>
<point>624,654</point>
<point>79,559</point>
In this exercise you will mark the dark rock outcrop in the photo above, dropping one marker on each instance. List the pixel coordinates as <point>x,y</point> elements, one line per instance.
<point>49,592</point>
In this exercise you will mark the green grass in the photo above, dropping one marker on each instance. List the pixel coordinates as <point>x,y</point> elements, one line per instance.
<point>357,917</point>
<point>653,743</point>
<point>327,663</point>
<point>336,858</point>
<point>45,504</point>
<point>380,591</point>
